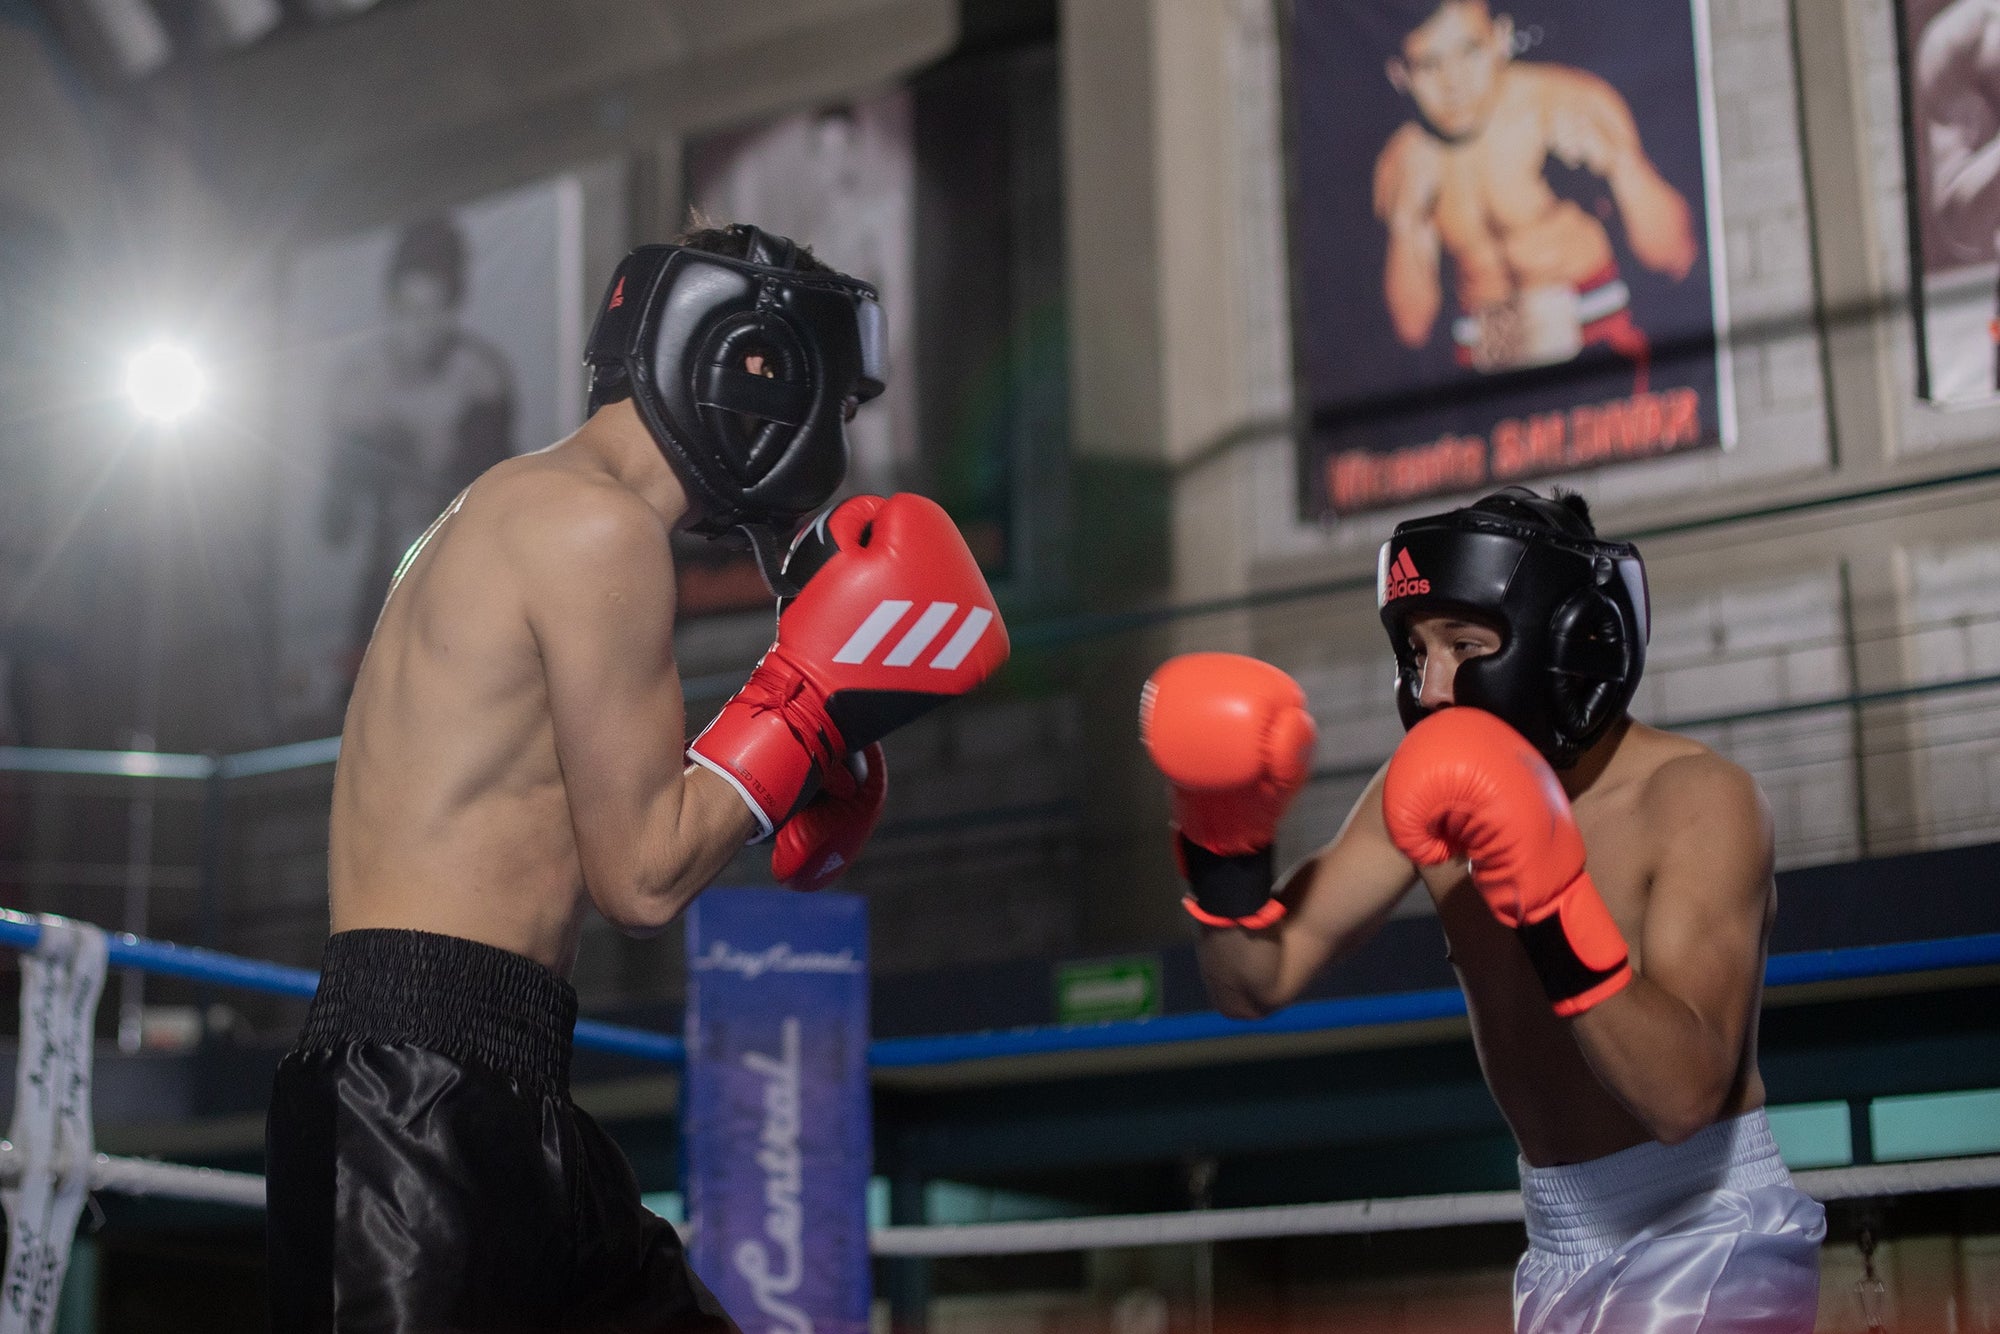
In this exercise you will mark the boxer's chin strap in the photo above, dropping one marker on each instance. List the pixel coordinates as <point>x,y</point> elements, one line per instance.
<point>770,548</point>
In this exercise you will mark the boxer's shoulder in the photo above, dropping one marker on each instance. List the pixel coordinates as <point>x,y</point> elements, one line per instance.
<point>1553,84</point>
<point>1409,138</point>
<point>550,516</point>
<point>1687,790</point>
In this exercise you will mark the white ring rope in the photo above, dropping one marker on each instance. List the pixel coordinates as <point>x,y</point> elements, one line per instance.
<point>1296,1220</point>
<point>147,1176</point>
<point>144,1176</point>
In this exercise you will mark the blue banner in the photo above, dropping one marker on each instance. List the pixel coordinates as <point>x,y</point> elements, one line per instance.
<point>775,1109</point>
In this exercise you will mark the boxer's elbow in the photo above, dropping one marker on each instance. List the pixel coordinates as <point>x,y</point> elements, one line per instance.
<point>1414,332</point>
<point>1243,1005</point>
<point>633,912</point>
<point>1413,312</point>
<point>1678,1129</point>
<point>1675,256</point>
<point>1236,994</point>
<point>642,905</point>
<point>1693,1104</point>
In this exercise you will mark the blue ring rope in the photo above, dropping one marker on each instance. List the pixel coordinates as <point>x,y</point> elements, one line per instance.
<point>1785,970</point>
<point>200,965</point>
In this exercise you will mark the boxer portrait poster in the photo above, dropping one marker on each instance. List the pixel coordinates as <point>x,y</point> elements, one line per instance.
<point>1506,253</point>
<point>418,354</point>
<point>840,180</point>
<point>1951,72</point>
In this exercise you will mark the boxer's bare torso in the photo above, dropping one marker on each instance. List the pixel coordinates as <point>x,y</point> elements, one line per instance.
<point>1558,1108</point>
<point>1489,198</point>
<point>1468,178</point>
<point>1958,93</point>
<point>513,748</point>
<point>1678,843</point>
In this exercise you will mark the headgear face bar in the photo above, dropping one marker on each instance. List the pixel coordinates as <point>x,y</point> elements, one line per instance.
<point>755,452</point>
<point>1571,610</point>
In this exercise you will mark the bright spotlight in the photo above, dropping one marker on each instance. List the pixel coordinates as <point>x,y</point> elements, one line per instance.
<point>164,382</point>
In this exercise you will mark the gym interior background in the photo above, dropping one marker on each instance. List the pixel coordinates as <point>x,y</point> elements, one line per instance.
<point>1093,249</point>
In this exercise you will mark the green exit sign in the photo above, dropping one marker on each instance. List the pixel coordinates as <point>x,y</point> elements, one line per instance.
<point>1095,991</point>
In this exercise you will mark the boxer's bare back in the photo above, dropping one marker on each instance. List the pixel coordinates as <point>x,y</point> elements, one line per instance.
<point>512,753</point>
<point>1468,180</point>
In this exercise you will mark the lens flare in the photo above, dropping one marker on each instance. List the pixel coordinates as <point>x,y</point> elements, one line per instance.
<point>164,382</point>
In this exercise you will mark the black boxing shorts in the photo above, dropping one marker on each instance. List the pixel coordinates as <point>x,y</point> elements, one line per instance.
<point>428,1172</point>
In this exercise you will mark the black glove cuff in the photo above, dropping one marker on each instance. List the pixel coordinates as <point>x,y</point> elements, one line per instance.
<point>1235,886</point>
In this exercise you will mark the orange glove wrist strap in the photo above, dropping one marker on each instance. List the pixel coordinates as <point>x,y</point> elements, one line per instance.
<point>1577,950</point>
<point>1270,914</point>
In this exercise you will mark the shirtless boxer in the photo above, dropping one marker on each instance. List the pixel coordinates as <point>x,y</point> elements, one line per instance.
<point>1958,102</point>
<point>1614,1009</point>
<point>417,411</point>
<point>1535,276</point>
<point>515,755</point>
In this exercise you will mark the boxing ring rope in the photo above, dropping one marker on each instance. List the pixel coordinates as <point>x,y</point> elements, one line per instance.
<point>246,1190</point>
<point>145,1176</point>
<point>1783,970</point>
<point>23,932</point>
<point>195,964</point>
<point>1197,1226</point>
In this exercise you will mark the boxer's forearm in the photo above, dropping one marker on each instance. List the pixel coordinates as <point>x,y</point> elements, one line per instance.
<point>1971,183</point>
<point>1658,223</point>
<point>1671,1068</point>
<point>1410,285</point>
<point>1338,899</point>
<point>1242,970</point>
<point>694,831</point>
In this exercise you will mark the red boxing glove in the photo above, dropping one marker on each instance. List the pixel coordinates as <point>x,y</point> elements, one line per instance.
<point>1235,742</point>
<point>823,839</point>
<point>893,618</point>
<point>1464,784</point>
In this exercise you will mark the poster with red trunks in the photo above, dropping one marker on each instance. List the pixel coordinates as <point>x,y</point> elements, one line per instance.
<point>1506,248</point>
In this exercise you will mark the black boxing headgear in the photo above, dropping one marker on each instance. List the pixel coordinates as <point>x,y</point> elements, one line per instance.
<point>1571,610</point>
<point>754,452</point>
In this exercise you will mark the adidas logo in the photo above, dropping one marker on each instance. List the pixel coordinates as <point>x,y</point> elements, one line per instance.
<point>873,632</point>
<point>1401,580</point>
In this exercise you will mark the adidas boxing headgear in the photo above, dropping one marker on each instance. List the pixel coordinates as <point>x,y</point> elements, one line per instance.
<point>757,452</point>
<point>1570,607</point>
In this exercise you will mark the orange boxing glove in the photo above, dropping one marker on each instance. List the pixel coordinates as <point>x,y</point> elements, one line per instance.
<point>1235,742</point>
<point>1464,784</point>
<point>815,846</point>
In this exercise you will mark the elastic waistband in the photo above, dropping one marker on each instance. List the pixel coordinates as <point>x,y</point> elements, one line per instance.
<point>469,1002</point>
<point>1585,1210</point>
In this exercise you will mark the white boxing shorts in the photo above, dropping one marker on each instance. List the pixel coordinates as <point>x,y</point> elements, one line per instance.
<point>1708,1236</point>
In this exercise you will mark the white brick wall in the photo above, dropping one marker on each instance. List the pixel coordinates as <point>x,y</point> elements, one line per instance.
<point>1758,645</point>
<point>1953,601</point>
